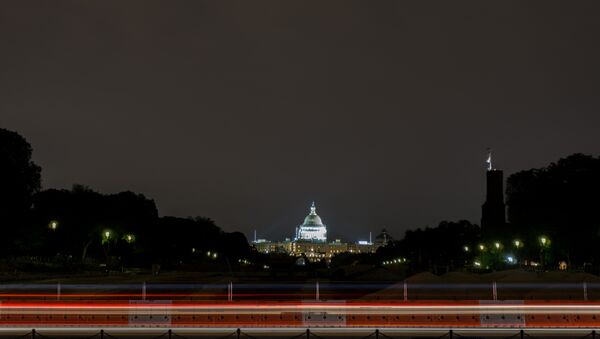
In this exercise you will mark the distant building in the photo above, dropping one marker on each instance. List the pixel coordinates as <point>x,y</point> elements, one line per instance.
<point>311,242</point>
<point>493,211</point>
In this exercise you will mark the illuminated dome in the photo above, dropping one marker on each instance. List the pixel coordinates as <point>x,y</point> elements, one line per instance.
<point>313,219</point>
<point>313,228</point>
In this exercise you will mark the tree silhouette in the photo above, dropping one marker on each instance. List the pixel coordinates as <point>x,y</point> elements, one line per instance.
<point>431,248</point>
<point>83,215</point>
<point>19,181</point>
<point>560,201</point>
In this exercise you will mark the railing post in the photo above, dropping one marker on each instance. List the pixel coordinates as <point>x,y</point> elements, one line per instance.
<point>377,334</point>
<point>494,291</point>
<point>593,334</point>
<point>522,334</point>
<point>585,291</point>
<point>317,291</point>
<point>238,333</point>
<point>405,291</point>
<point>307,333</point>
<point>58,290</point>
<point>33,333</point>
<point>170,332</point>
<point>101,334</point>
<point>450,334</point>
<point>144,290</point>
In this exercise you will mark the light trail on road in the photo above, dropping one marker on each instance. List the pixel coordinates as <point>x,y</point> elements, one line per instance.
<point>309,314</point>
<point>294,307</point>
<point>315,307</point>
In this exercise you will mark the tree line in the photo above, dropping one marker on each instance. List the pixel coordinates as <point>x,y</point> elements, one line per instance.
<point>80,225</point>
<point>553,218</point>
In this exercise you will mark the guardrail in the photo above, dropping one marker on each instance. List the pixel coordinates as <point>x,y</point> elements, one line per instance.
<point>308,291</point>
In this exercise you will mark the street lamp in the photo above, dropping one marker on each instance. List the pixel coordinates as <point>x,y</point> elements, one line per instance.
<point>497,245</point>
<point>481,247</point>
<point>518,243</point>
<point>106,236</point>
<point>130,238</point>
<point>53,225</point>
<point>466,248</point>
<point>545,242</point>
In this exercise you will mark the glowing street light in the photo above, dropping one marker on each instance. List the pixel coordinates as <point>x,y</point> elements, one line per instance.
<point>518,243</point>
<point>481,247</point>
<point>107,236</point>
<point>466,248</point>
<point>497,245</point>
<point>544,241</point>
<point>53,225</point>
<point>129,238</point>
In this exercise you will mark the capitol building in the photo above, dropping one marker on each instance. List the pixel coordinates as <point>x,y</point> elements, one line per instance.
<point>313,228</point>
<point>310,242</point>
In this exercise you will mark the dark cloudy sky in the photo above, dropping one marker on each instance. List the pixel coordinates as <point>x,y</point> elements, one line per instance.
<point>246,111</point>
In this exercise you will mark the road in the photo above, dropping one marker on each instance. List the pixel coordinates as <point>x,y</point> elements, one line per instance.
<point>118,313</point>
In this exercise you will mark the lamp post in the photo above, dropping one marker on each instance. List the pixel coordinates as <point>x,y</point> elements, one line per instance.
<point>106,239</point>
<point>129,238</point>
<point>544,243</point>
<point>53,225</point>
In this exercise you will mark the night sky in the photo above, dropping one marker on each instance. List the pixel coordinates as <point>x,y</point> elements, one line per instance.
<point>245,112</point>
